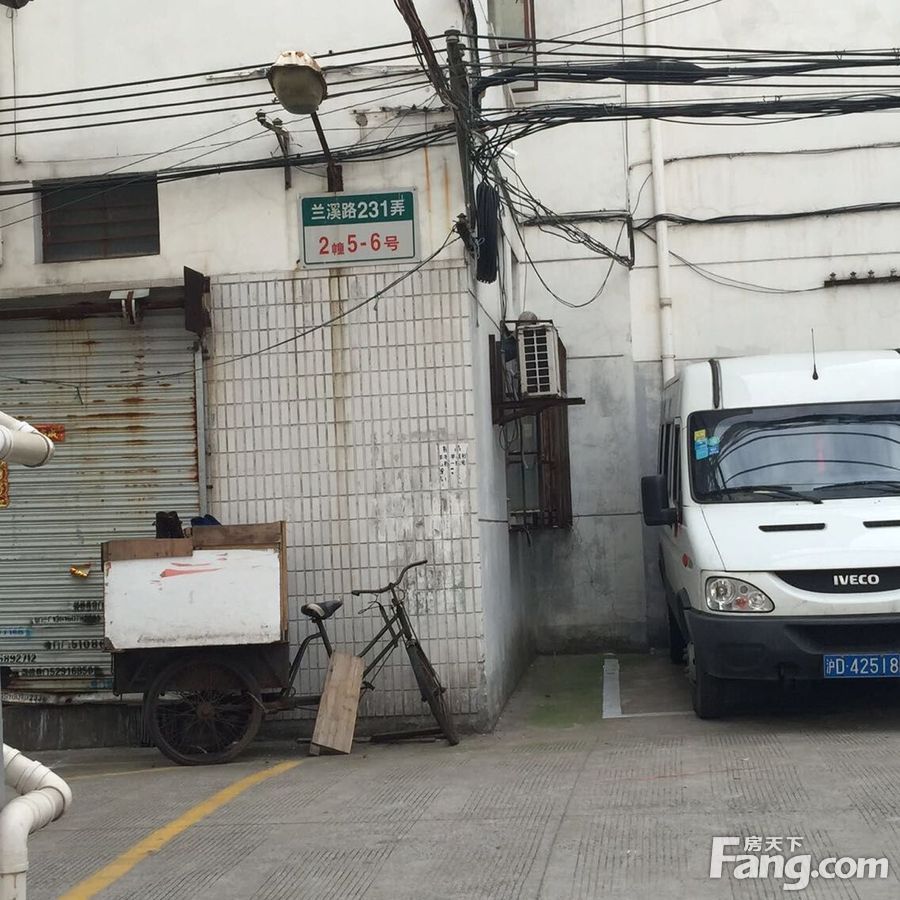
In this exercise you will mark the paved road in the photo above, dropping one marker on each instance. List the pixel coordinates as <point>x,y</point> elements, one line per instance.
<point>559,802</point>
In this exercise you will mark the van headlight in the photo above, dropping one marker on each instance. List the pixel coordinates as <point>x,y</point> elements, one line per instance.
<point>736,595</point>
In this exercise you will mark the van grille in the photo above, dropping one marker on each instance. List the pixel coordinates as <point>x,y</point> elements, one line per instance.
<point>844,581</point>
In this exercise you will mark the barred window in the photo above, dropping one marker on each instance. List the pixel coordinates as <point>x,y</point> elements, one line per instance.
<point>99,219</point>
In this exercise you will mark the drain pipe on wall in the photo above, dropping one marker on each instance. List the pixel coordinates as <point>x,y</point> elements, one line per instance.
<point>43,798</point>
<point>660,207</point>
<point>43,795</point>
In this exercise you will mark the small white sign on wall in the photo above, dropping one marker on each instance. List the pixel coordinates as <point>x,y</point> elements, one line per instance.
<point>452,462</point>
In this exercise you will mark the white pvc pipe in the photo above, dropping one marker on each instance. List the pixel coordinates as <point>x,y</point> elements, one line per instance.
<point>23,444</point>
<point>660,208</point>
<point>44,797</point>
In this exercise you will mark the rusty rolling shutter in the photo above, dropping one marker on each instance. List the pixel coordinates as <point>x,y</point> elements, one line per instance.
<point>126,447</point>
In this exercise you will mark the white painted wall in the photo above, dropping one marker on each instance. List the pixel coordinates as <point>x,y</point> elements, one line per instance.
<point>596,582</point>
<point>222,224</point>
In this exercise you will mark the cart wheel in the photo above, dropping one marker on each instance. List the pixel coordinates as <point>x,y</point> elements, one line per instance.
<point>203,710</point>
<point>433,693</point>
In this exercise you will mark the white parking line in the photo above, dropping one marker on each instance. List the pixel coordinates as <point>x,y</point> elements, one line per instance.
<point>612,702</point>
<point>612,698</point>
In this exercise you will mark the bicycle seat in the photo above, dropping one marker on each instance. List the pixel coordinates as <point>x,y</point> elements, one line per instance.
<point>324,610</point>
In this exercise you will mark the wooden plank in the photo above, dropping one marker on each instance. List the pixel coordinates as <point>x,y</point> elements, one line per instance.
<point>146,548</point>
<point>213,537</point>
<point>336,720</point>
<point>284,581</point>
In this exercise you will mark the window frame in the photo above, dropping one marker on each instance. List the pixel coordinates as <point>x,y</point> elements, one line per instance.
<point>554,477</point>
<point>506,50</point>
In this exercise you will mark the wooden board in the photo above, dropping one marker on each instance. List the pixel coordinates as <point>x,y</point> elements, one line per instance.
<point>146,548</point>
<point>214,536</point>
<point>336,720</point>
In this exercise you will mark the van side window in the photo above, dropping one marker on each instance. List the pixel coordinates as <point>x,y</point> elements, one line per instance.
<point>675,474</point>
<point>665,434</point>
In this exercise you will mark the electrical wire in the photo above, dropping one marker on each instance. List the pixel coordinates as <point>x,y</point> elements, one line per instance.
<point>200,112</point>
<point>727,281</point>
<point>161,80</point>
<point>135,162</point>
<point>451,238</point>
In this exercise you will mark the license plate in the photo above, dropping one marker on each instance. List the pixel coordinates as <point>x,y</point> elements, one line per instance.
<point>862,665</point>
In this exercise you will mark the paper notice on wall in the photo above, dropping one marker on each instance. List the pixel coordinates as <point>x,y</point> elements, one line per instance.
<point>452,462</point>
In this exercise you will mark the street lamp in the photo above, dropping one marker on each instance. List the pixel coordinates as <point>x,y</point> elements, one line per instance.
<point>299,85</point>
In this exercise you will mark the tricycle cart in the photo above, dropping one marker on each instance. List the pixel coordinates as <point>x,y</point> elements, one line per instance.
<point>198,625</point>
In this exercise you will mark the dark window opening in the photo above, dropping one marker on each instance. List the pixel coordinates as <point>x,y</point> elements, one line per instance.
<point>99,220</point>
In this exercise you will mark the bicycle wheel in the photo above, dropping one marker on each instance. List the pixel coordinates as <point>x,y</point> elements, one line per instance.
<point>433,692</point>
<point>202,711</point>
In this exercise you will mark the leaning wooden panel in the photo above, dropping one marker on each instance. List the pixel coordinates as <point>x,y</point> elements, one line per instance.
<point>336,720</point>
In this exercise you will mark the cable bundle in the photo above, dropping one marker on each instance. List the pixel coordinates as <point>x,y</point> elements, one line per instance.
<point>487,225</point>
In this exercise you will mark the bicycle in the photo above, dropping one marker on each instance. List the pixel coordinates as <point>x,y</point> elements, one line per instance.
<point>396,623</point>
<point>206,710</point>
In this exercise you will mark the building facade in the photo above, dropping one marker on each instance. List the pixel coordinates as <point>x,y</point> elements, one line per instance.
<point>371,427</point>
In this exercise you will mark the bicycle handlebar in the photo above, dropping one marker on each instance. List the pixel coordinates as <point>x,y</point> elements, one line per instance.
<point>391,584</point>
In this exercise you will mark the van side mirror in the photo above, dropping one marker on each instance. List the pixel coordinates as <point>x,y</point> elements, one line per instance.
<point>655,501</point>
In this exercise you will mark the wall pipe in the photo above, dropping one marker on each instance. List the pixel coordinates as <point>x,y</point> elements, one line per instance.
<point>660,208</point>
<point>44,797</point>
<point>21,443</point>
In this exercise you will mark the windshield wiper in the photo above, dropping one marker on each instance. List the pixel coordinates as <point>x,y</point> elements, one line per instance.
<point>765,490</point>
<point>883,484</point>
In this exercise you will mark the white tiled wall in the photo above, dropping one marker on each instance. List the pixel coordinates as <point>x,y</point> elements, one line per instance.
<point>361,436</point>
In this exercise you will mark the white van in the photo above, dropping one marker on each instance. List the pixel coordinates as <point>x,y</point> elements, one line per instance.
<point>778,494</point>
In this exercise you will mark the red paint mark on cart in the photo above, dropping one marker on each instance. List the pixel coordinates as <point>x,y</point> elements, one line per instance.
<point>186,569</point>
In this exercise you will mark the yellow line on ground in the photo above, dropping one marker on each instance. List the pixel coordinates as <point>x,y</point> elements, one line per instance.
<point>83,777</point>
<point>154,842</point>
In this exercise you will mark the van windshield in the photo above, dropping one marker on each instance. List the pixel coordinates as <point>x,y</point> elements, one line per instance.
<point>815,452</point>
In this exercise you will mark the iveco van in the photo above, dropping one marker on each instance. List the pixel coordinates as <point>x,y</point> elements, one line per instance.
<point>778,501</point>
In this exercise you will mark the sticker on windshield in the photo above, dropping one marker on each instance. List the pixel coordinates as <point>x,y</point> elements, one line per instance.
<point>713,445</point>
<point>700,435</point>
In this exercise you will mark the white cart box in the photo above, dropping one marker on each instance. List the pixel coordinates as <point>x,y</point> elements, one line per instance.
<point>222,586</point>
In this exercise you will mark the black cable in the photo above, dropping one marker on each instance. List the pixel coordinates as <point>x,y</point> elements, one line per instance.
<point>890,52</point>
<point>623,19</point>
<point>203,112</point>
<point>659,71</point>
<point>487,232</point>
<point>263,65</point>
<point>129,109</point>
<point>727,281</point>
<point>745,218</point>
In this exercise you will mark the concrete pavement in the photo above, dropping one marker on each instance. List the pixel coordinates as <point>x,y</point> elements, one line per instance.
<point>559,802</point>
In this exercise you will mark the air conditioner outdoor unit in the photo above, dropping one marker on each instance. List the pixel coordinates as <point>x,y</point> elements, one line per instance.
<point>538,360</point>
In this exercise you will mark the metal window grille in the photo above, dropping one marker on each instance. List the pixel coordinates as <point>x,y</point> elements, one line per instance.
<point>99,220</point>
